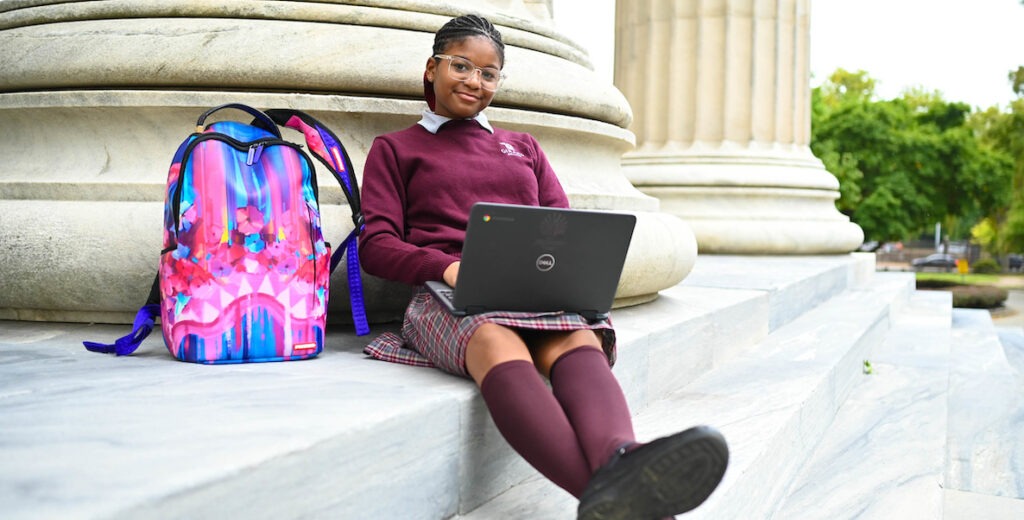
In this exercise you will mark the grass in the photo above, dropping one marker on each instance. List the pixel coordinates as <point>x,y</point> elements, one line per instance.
<point>1006,281</point>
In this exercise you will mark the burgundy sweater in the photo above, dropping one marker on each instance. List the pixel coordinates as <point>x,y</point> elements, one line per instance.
<point>418,188</point>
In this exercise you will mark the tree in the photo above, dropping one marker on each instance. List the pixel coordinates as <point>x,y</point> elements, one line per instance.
<point>1016,78</point>
<point>847,87</point>
<point>1003,132</point>
<point>913,160</point>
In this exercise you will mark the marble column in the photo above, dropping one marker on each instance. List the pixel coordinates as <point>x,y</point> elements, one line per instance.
<point>721,96</point>
<point>96,96</point>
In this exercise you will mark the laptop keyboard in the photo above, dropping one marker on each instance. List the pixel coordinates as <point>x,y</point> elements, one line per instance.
<point>448,294</point>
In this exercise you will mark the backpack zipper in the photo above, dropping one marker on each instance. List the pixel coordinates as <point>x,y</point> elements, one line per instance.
<point>254,150</point>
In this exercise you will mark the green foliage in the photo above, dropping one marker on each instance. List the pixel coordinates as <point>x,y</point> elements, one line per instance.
<point>986,266</point>
<point>1002,134</point>
<point>933,279</point>
<point>1016,78</point>
<point>1012,236</point>
<point>985,234</point>
<point>905,164</point>
<point>847,87</point>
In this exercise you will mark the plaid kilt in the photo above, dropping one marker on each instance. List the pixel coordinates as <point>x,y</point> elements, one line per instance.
<point>433,337</point>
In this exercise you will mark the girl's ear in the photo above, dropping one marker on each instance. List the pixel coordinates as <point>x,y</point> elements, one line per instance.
<point>431,69</point>
<point>428,92</point>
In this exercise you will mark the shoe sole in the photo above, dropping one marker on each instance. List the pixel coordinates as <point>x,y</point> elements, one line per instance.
<point>667,477</point>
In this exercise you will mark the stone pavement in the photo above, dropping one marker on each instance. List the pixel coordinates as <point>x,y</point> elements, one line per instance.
<point>1012,314</point>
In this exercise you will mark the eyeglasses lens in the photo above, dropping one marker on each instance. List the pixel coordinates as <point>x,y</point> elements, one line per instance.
<point>462,69</point>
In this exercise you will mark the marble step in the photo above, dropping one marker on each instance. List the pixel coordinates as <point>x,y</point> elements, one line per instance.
<point>725,306</point>
<point>93,436</point>
<point>986,408</point>
<point>985,465</point>
<point>884,455</point>
<point>772,401</point>
<point>347,437</point>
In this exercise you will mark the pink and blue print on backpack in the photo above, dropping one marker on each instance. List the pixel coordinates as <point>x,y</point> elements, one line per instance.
<point>244,274</point>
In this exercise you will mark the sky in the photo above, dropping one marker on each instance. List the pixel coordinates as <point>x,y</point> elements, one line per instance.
<point>961,48</point>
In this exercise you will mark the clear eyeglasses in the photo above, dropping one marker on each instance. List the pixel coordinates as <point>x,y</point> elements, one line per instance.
<point>461,69</point>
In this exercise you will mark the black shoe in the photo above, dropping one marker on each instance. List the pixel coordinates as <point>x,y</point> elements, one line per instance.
<point>665,477</point>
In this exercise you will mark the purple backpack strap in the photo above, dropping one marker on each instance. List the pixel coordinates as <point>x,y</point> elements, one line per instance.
<point>145,320</point>
<point>328,149</point>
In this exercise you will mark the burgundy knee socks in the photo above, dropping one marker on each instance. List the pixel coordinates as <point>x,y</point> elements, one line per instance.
<point>584,385</point>
<point>534,424</point>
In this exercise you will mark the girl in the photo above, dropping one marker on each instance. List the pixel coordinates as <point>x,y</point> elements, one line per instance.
<point>418,186</point>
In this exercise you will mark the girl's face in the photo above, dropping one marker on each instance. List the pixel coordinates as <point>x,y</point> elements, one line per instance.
<point>462,99</point>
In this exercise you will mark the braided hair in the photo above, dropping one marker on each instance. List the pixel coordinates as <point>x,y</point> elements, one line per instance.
<point>466,26</point>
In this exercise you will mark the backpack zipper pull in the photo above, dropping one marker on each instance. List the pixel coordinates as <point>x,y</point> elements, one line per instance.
<point>254,154</point>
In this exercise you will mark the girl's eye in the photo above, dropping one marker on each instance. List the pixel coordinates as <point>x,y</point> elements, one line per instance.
<point>488,75</point>
<point>460,67</point>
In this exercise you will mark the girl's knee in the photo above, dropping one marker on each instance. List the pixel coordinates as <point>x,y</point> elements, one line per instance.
<point>490,333</point>
<point>549,351</point>
<point>492,345</point>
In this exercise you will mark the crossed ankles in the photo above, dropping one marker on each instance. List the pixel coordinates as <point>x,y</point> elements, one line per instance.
<point>666,477</point>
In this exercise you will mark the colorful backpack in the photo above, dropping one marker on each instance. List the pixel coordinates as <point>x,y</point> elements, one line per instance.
<point>244,274</point>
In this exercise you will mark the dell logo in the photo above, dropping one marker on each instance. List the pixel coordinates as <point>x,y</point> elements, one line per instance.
<point>545,262</point>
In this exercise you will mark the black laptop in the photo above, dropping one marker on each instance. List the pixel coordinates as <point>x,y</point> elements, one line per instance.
<point>536,259</point>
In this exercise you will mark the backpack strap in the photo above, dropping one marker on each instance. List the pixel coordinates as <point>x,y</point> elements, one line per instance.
<point>261,120</point>
<point>328,149</point>
<point>144,323</point>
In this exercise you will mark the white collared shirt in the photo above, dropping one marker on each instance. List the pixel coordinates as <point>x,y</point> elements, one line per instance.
<point>432,122</point>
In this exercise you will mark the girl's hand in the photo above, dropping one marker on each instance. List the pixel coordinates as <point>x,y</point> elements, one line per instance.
<point>451,274</point>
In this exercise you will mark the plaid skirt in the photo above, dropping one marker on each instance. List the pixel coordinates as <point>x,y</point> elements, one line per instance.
<point>433,337</point>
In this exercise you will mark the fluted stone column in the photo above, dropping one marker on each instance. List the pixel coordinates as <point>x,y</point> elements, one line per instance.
<point>721,96</point>
<point>96,96</point>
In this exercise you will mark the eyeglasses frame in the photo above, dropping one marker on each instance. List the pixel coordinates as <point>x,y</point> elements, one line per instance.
<point>451,59</point>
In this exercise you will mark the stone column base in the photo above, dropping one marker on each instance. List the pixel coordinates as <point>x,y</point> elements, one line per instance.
<point>749,202</point>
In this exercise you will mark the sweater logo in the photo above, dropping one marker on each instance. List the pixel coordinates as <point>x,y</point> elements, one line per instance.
<point>509,150</point>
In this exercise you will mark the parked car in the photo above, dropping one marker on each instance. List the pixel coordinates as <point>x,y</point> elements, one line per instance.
<point>940,260</point>
<point>1015,262</point>
<point>869,247</point>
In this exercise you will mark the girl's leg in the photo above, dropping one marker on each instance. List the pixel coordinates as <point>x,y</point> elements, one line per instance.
<point>584,385</point>
<point>523,409</point>
<point>667,476</point>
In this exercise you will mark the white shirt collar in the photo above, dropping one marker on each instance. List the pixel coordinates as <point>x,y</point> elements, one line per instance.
<point>432,122</point>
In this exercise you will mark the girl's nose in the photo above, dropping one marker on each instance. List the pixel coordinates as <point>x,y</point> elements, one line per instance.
<point>474,78</point>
